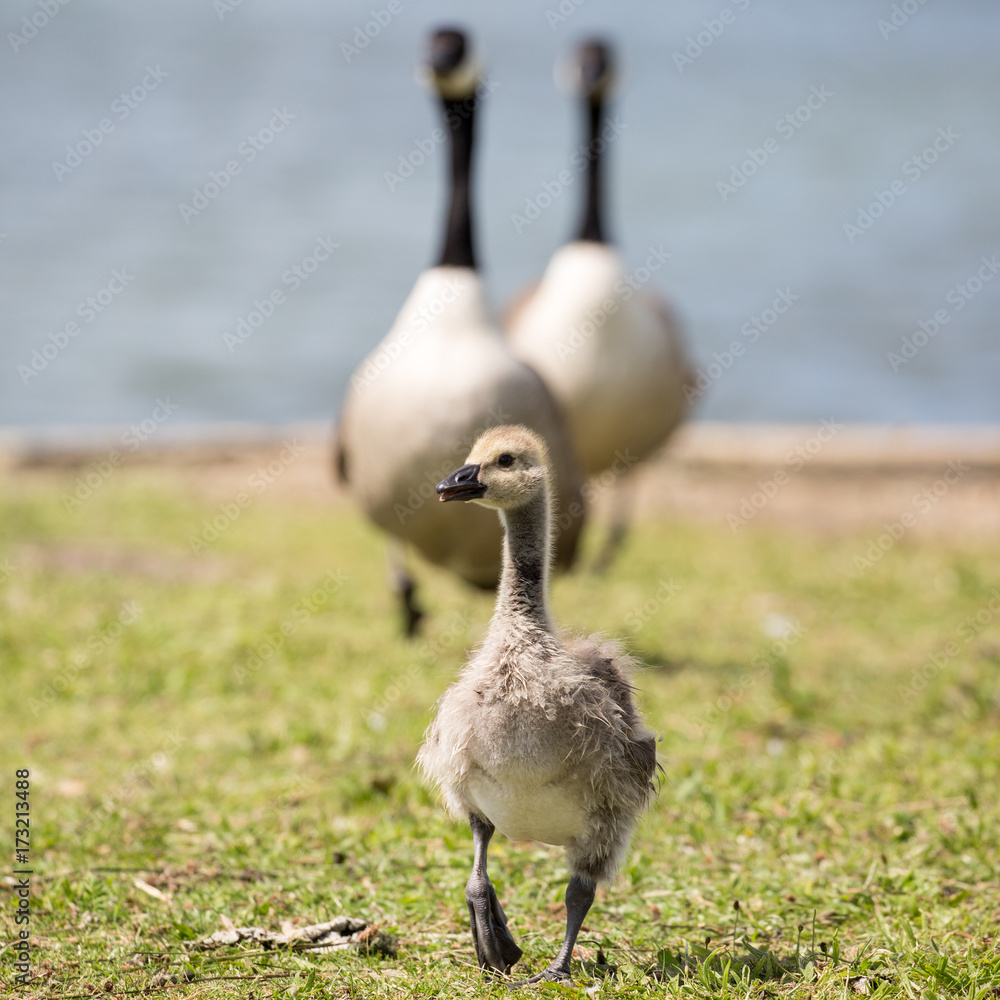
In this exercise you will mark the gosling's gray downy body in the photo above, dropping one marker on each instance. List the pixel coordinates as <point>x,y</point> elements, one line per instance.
<point>538,738</point>
<point>442,375</point>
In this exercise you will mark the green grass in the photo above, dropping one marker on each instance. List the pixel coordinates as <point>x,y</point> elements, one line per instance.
<point>846,802</point>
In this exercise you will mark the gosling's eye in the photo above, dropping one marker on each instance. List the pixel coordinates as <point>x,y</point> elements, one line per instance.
<point>505,461</point>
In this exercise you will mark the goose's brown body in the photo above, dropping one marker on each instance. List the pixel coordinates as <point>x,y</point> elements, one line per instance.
<point>612,356</point>
<point>423,397</point>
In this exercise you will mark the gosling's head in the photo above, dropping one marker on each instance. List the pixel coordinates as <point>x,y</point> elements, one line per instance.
<point>451,67</point>
<point>507,468</point>
<point>592,71</point>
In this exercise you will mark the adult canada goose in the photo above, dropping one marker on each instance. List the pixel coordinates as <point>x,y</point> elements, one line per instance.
<point>443,374</point>
<point>538,737</point>
<point>609,349</point>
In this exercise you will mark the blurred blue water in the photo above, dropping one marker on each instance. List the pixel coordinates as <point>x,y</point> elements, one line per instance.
<point>222,70</point>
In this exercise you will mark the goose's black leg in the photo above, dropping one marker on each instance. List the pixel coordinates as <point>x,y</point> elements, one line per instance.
<point>412,612</point>
<point>495,948</point>
<point>405,588</point>
<point>621,516</point>
<point>579,898</point>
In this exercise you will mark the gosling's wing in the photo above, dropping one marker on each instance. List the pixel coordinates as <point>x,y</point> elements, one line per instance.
<point>607,662</point>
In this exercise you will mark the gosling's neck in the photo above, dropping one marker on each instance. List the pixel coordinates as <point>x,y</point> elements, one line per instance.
<point>523,595</point>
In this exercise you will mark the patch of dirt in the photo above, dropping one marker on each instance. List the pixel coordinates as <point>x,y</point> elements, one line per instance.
<point>932,481</point>
<point>825,478</point>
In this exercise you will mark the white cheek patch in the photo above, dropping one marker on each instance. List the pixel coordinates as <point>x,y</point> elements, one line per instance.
<point>461,82</point>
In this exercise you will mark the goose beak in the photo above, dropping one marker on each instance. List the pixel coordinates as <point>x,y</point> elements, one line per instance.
<point>594,69</point>
<point>447,50</point>
<point>462,484</point>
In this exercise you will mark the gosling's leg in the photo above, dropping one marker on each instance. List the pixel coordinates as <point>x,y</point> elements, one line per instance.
<point>579,897</point>
<point>495,948</point>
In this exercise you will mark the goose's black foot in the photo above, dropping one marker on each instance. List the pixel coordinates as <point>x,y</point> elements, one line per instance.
<point>413,614</point>
<point>496,949</point>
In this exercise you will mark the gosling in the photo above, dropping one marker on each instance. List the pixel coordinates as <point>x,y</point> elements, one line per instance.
<point>539,737</point>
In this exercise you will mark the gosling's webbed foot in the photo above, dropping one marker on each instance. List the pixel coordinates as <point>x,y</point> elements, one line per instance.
<point>579,897</point>
<point>496,949</point>
<point>553,974</point>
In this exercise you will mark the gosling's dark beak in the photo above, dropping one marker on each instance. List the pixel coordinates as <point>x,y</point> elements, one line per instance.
<point>462,484</point>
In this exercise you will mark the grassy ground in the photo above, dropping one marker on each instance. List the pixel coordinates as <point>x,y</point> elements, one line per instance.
<point>831,747</point>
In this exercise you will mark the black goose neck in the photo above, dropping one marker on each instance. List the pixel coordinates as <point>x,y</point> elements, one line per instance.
<point>592,225</point>
<point>459,115</point>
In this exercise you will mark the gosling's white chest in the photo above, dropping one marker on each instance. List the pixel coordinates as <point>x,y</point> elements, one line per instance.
<point>529,805</point>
